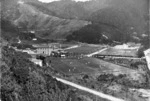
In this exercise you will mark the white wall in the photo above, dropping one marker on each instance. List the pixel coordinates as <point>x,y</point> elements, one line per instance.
<point>147,55</point>
<point>44,51</point>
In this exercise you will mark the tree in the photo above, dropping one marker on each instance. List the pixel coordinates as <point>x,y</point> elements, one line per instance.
<point>140,52</point>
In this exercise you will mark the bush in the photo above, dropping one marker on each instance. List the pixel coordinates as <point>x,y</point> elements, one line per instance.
<point>140,52</point>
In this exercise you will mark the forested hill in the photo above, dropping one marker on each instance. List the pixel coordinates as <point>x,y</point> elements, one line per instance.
<point>24,81</point>
<point>34,16</point>
<point>61,19</point>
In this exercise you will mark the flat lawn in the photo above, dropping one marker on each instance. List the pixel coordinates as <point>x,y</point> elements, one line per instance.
<point>104,66</point>
<point>88,65</point>
<point>91,62</point>
<point>119,52</point>
<point>70,66</point>
<point>85,49</point>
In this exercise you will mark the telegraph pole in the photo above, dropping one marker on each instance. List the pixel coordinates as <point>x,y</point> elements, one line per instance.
<point>149,26</point>
<point>96,98</point>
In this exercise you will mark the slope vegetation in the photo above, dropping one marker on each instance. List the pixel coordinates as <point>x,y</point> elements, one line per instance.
<point>28,17</point>
<point>57,20</point>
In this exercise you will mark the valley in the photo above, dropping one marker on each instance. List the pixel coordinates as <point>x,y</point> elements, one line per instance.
<point>86,65</point>
<point>75,51</point>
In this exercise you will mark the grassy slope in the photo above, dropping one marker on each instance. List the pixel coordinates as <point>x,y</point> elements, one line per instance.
<point>85,49</point>
<point>47,26</point>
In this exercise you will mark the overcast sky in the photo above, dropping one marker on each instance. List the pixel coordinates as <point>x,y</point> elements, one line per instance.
<point>47,1</point>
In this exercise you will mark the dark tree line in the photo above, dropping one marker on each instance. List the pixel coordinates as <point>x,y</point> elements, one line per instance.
<point>99,33</point>
<point>123,80</point>
<point>22,46</point>
<point>90,34</point>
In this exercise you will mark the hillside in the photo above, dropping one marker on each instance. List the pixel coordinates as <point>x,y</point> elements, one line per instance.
<point>76,10</point>
<point>59,19</point>
<point>98,33</point>
<point>29,17</point>
<point>25,81</point>
<point>129,16</point>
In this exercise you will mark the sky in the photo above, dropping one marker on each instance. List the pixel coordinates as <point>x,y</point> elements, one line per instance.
<point>47,1</point>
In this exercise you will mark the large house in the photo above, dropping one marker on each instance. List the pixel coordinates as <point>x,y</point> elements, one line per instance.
<point>46,49</point>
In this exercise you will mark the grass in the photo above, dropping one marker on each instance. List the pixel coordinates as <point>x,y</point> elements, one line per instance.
<point>70,66</point>
<point>120,52</point>
<point>104,66</point>
<point>85,49</point>
<point>88,65</point>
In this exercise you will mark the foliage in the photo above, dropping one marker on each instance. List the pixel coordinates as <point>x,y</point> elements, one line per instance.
<point>145,41</point>
<point>123,80</point>
<point>140,52</point>
<point>22,46</point>
<point>8,30</point>
<point>22,80</point>
<point>89,34</point>
<point>8,26</point>
<point>26,36</point>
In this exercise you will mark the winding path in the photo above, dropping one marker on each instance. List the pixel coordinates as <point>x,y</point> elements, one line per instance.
<point>75,46</point>
<point>89,55</point>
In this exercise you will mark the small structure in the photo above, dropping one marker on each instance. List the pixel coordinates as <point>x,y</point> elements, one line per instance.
<point>124,46</point>
<point>59,53</point>
<point>34,39</point>
<point>20,2</point>
<point>63,56</point>
<point>147,55</point>
<point>128,46</point>
<point>32,32</point>
<point>37,61</point>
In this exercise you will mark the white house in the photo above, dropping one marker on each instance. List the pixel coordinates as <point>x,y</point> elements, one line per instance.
<point>124,46</point>
<point>46,48</point>
<point>147,55</point>
<point>36,61</point>
<point>127,46</point>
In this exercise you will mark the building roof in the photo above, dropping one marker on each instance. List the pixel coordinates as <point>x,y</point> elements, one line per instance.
<point>35,60</point>
<point>128,46</point>
<point>55,45</point>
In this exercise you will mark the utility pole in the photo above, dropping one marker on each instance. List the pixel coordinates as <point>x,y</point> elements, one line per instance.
<point>96,98</point>
<point>149,26</point>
